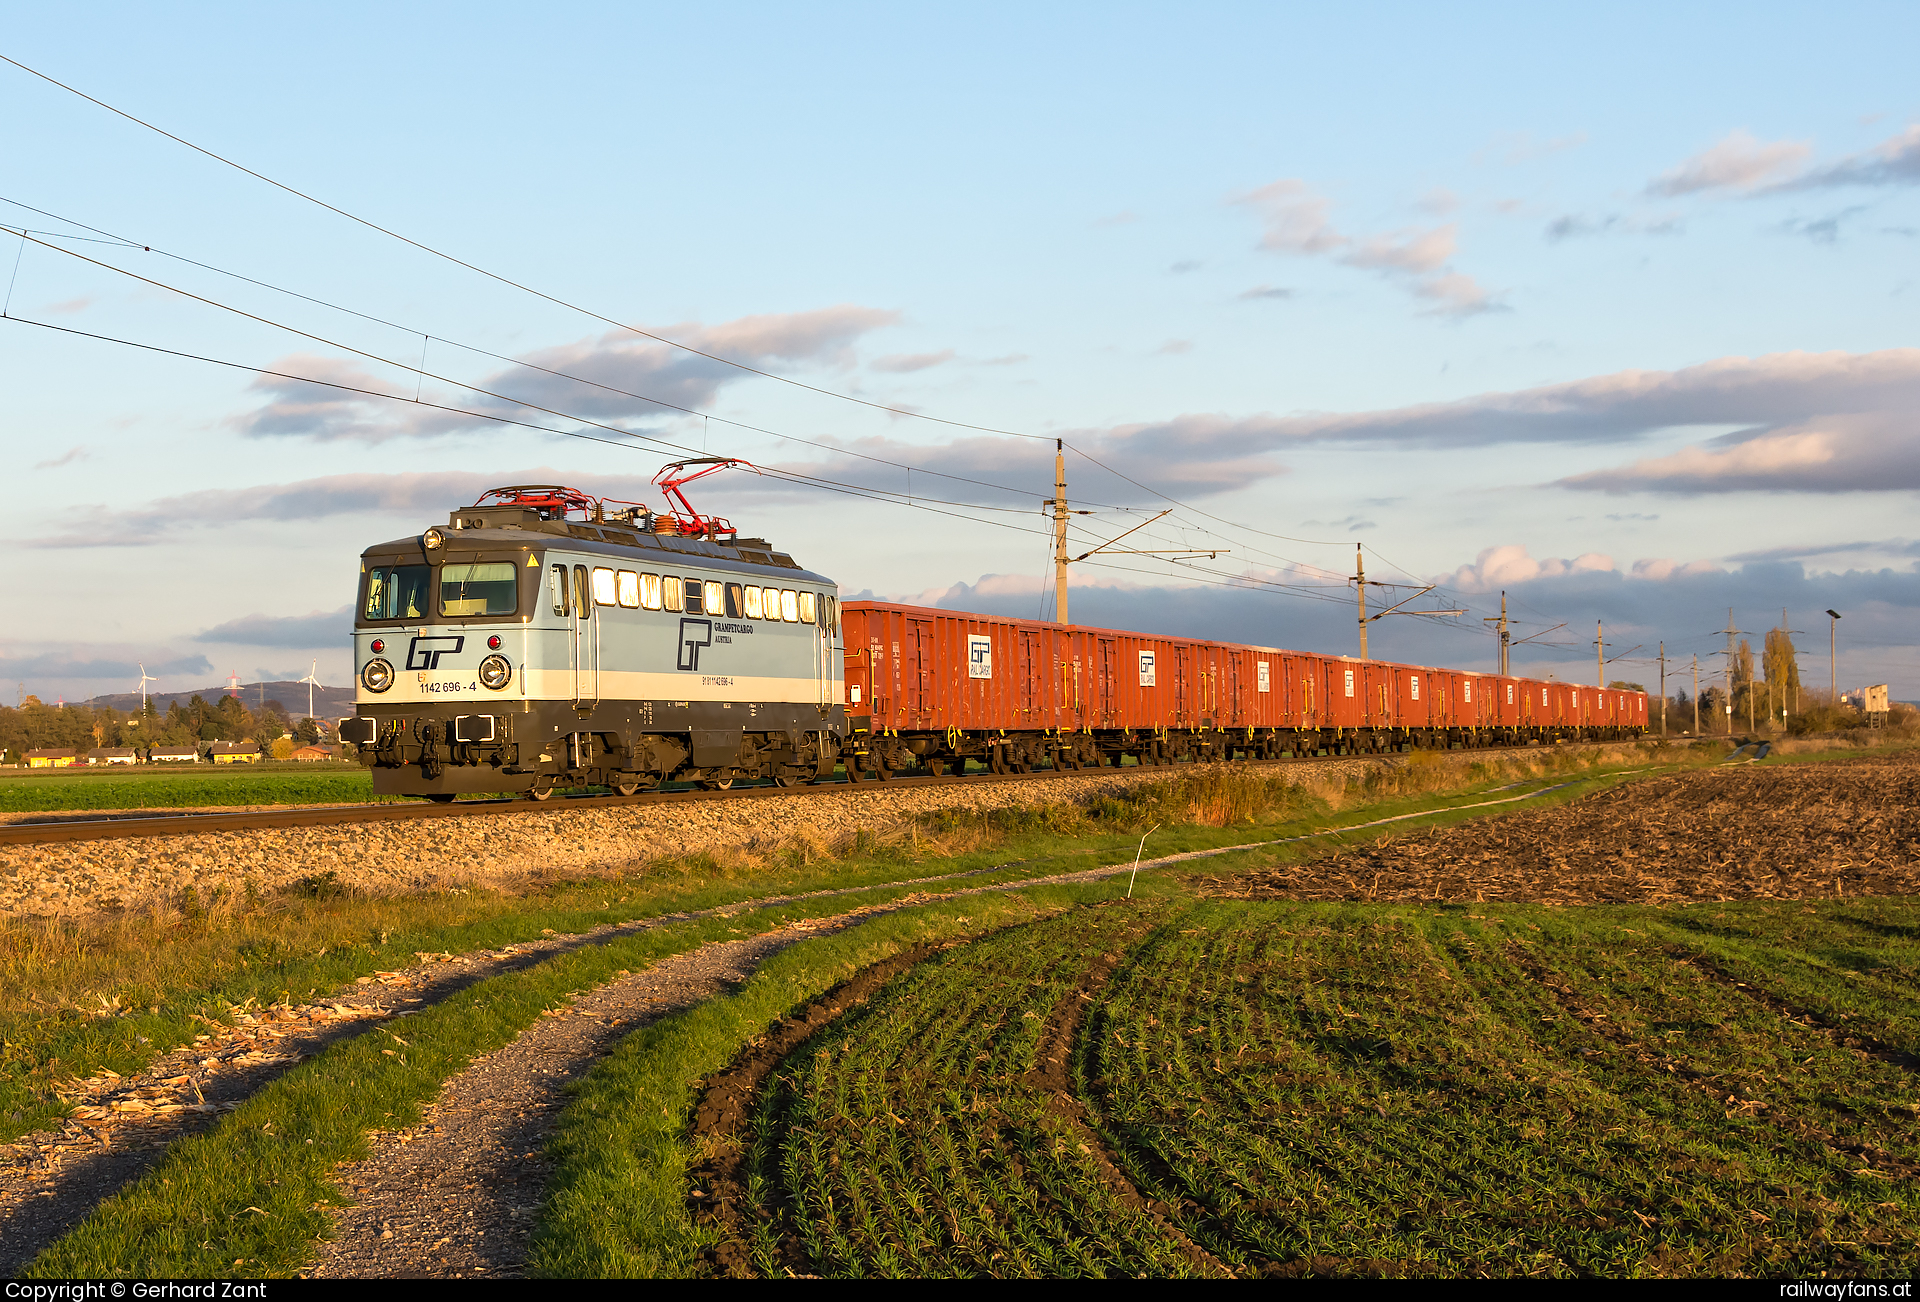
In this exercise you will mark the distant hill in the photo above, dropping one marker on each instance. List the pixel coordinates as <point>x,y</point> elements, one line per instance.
<point>328,702</point>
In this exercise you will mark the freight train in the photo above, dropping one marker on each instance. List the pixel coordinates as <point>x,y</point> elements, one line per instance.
<point>545,639</point>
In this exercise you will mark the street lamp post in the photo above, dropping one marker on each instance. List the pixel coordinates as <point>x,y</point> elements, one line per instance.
<point>1833,665</point>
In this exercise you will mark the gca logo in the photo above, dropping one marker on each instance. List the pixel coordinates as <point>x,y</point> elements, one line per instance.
<point>694,634</point>
<point>425,652</point>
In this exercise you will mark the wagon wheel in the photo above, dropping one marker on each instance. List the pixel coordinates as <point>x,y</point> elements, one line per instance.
<point>997,760</point>
<point>880,769</point>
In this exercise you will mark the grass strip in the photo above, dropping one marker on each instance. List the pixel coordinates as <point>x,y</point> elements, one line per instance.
<point>250,1197</point>
<point>617,1204</point>
<point>290,786</point>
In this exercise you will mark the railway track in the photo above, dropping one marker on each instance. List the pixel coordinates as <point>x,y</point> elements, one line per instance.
<point>144,824</point>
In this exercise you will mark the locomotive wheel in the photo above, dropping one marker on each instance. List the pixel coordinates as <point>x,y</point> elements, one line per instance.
<point>441,797</point>
<point>539,793</point>
<point>625,788</point>
<point>716,784</point>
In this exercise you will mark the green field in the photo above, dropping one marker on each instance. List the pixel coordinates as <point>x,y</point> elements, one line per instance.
<point>171,788</point>
<point>1309,1089</point>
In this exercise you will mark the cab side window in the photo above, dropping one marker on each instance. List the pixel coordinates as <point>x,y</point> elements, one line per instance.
<point>557,589</point>
<point>582,592</point>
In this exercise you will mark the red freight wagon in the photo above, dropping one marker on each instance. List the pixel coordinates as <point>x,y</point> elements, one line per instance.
<point>939,687</point>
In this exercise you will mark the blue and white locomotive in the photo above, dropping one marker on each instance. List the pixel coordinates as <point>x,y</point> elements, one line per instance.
<point>546,639</point>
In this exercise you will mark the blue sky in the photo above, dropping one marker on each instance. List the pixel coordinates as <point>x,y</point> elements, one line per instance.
<point>1611,309</point>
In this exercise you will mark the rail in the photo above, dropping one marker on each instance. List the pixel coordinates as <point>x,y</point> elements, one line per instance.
<point>55,830</point>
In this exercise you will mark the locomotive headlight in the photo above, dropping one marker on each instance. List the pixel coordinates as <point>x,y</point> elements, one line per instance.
<point>433,540</point>
<point>495,672</point>
<point>377,676</point>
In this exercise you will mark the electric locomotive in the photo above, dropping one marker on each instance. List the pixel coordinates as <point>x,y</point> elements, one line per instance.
<point>545,639</point>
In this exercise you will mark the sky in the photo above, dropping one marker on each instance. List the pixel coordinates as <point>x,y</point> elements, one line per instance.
<point>1608,309</point>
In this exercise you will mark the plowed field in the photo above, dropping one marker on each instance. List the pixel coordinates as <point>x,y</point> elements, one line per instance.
<point>1811,831</point>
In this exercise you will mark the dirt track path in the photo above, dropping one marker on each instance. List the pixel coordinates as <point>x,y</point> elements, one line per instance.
<point>121,1126</point>
<point>456,1195</point>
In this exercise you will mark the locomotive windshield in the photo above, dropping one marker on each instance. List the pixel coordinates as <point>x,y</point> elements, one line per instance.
<point>480,589</point>
<point>399,592</point>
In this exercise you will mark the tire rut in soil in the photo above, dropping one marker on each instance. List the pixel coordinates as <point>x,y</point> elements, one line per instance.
<point>1846,1037</point>
<point>1053,1075</point>
<point>122,1126</point>
<point>727,1108</point>
<point>717,1184</point>
<point>1712,1084</point>
<point>456,1195</point>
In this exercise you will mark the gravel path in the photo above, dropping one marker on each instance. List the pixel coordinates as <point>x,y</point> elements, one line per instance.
<point>121,1126</point>
<point>456,1196</point>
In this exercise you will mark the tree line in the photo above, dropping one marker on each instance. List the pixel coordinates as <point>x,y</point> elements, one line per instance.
<point>35,725</point>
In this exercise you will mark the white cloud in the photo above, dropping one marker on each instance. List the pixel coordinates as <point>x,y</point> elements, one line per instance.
<point>1738,162</point>
<point>1297,223</point>
<point>1296,218</point>
<point>1508,565</point>
<point>905,363</point>
<point>1411,251</point>
<point>67,458</point>
<point>1872,452</point>
<point>1894,161</point>
<point>320,628</point>
<point>612,378</point>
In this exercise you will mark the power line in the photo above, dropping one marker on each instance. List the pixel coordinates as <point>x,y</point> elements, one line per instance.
<point>571,306</point>
<point>504,280</point>
<point>826,485</point>
<point>123,242</point>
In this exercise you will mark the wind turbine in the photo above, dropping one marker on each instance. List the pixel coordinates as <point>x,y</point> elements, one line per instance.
<point>312,681</point>
<point>145,678</point>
